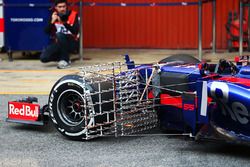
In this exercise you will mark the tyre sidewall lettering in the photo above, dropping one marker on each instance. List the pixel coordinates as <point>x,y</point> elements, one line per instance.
<point>58,89</point>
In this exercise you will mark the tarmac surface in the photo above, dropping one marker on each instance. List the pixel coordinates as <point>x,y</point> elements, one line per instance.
<point>22,145</point>
<point>30,146</point>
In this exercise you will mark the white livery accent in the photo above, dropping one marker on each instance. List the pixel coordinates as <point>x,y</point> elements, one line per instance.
<point>204,99</point>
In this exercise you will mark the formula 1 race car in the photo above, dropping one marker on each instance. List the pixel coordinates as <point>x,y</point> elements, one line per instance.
<point>178,93</point>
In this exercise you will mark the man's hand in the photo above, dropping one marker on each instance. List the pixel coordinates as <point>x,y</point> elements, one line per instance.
<point>54,18</point>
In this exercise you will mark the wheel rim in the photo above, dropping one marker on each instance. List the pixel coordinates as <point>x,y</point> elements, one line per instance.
<point>70,107</point>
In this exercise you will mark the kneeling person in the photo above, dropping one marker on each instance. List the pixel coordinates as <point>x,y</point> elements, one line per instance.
<point>64,29</point>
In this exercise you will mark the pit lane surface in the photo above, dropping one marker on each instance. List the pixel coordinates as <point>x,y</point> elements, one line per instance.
<point>43,146</point>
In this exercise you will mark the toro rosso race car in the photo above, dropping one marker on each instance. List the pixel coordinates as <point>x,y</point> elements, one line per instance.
<point>179,93</point>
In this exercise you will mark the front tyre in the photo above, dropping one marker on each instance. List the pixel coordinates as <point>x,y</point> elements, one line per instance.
<point>68,108</point>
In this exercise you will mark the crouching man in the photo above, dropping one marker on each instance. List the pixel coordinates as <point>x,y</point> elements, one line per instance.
<point>64,29</point>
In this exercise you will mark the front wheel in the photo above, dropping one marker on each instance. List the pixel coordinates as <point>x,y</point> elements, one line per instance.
<point>67,107</point>
<point>76,105</point>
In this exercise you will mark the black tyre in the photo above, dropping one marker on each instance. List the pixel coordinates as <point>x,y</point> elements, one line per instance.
<point>185,58</point>
<point>68,107</point>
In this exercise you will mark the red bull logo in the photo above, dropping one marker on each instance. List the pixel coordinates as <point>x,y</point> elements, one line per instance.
<point>23,111</point>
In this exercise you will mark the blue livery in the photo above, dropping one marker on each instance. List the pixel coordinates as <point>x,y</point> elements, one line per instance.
<point>215,100</point>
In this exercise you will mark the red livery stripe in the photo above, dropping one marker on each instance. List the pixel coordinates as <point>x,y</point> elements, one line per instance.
<point>1,25</point>
<point>175,101</point>
<point>150,95</point>
<point>242,81</point>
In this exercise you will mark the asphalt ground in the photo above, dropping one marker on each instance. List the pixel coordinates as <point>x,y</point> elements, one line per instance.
<point>22,145</point>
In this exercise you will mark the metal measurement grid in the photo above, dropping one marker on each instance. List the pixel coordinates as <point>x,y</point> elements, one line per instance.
<point>129,108</point>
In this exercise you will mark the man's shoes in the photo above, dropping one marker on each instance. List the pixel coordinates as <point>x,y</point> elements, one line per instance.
<point>62,64</point>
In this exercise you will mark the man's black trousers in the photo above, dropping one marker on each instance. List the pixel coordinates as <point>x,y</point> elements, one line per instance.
<point>60,50</point>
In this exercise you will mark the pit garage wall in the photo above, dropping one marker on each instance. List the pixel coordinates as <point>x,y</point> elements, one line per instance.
<point>153,27</point>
